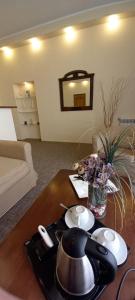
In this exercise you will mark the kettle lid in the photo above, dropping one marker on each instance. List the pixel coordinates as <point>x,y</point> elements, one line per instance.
<point>74,241</point>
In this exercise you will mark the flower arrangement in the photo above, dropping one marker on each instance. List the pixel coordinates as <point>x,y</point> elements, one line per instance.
<point>96,172</point>
<point>96,169</point>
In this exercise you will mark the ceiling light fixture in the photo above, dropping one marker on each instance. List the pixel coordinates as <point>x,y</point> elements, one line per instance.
<point>113,22</point>
<point>27,85</point>
<point>36,43</point>
<point>85,82</point>
<point>71,84</point>
<point>8,52</point>
<point>70,33</point>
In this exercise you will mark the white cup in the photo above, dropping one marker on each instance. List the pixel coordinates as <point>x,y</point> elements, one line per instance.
<point>109,239</point>
<point>79,215</point>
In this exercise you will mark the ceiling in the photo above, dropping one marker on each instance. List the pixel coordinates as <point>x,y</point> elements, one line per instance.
<point>20,19</point>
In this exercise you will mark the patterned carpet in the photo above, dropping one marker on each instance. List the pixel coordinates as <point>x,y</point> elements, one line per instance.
<point>48,159</point>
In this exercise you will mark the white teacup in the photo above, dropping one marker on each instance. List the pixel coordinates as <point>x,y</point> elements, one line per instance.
<point>109,239</point>
<point>80,215</point>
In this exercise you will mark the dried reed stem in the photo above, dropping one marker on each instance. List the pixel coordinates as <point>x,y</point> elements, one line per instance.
<point>110,106</point>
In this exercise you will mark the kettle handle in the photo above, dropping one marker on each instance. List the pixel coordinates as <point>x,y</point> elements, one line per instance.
<point>99,252</point>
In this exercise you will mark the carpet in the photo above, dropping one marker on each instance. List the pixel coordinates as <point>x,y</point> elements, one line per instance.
<point>48,159</point>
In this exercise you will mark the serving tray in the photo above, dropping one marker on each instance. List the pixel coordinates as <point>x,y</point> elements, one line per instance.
<point>43,261</point>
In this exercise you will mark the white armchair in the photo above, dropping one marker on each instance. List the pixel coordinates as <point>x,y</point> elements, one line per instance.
<point>17,175</point>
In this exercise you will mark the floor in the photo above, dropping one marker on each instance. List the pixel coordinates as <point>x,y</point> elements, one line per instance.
<point>48,159</point>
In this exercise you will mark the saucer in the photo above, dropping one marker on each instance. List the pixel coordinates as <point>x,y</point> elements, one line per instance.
<point>121,256</point>
<point>69,222</point>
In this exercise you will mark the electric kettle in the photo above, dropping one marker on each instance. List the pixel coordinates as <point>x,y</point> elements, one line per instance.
<point>82,263</point>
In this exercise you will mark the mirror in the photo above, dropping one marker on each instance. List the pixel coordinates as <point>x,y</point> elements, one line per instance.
<point>76,91</point>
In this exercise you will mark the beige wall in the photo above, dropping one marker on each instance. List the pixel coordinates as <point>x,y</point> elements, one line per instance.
<point>108,55</point>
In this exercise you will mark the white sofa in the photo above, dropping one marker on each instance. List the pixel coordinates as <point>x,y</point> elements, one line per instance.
<point>17,175</point>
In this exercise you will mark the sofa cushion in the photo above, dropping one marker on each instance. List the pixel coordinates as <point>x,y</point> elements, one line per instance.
<point>11,171</point>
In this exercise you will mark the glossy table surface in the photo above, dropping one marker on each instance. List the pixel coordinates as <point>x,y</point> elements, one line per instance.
<point>16,274</point>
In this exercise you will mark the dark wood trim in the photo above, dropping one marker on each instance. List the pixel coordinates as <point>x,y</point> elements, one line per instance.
<point>8,106</point>
<point>74,75</point>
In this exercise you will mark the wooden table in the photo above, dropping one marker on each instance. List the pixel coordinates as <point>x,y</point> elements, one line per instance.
<point>16,274</point>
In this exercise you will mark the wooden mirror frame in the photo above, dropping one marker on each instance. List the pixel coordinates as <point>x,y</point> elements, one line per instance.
<point>74,75</point>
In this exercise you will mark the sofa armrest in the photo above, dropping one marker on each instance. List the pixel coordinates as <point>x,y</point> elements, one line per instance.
<point>17,150</point>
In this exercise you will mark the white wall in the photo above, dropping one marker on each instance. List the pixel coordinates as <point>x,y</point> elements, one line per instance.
<point>108,55</point>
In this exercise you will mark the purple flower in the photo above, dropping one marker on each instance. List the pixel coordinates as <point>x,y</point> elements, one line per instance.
<point>95,170</point>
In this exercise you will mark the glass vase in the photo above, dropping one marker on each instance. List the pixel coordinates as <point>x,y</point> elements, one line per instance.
<point>97,201</point>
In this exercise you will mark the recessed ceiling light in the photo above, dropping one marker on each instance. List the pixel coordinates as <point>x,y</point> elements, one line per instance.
<point>71,84</point>
<point>36,43</point>
<point>113,22</point>
<point>85,82</point>
<point>27,85</point>
<point>70,33</point>
<point>8,52</point>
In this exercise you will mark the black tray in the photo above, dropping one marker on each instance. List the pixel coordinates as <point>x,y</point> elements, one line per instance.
<point>43,261</point>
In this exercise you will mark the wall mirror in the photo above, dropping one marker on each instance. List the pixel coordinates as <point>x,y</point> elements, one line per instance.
<point>76,91</point>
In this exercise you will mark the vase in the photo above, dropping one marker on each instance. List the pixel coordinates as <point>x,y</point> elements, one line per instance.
<point>97,200</point>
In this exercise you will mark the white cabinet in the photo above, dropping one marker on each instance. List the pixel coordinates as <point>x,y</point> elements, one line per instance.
<point>27,110</point>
